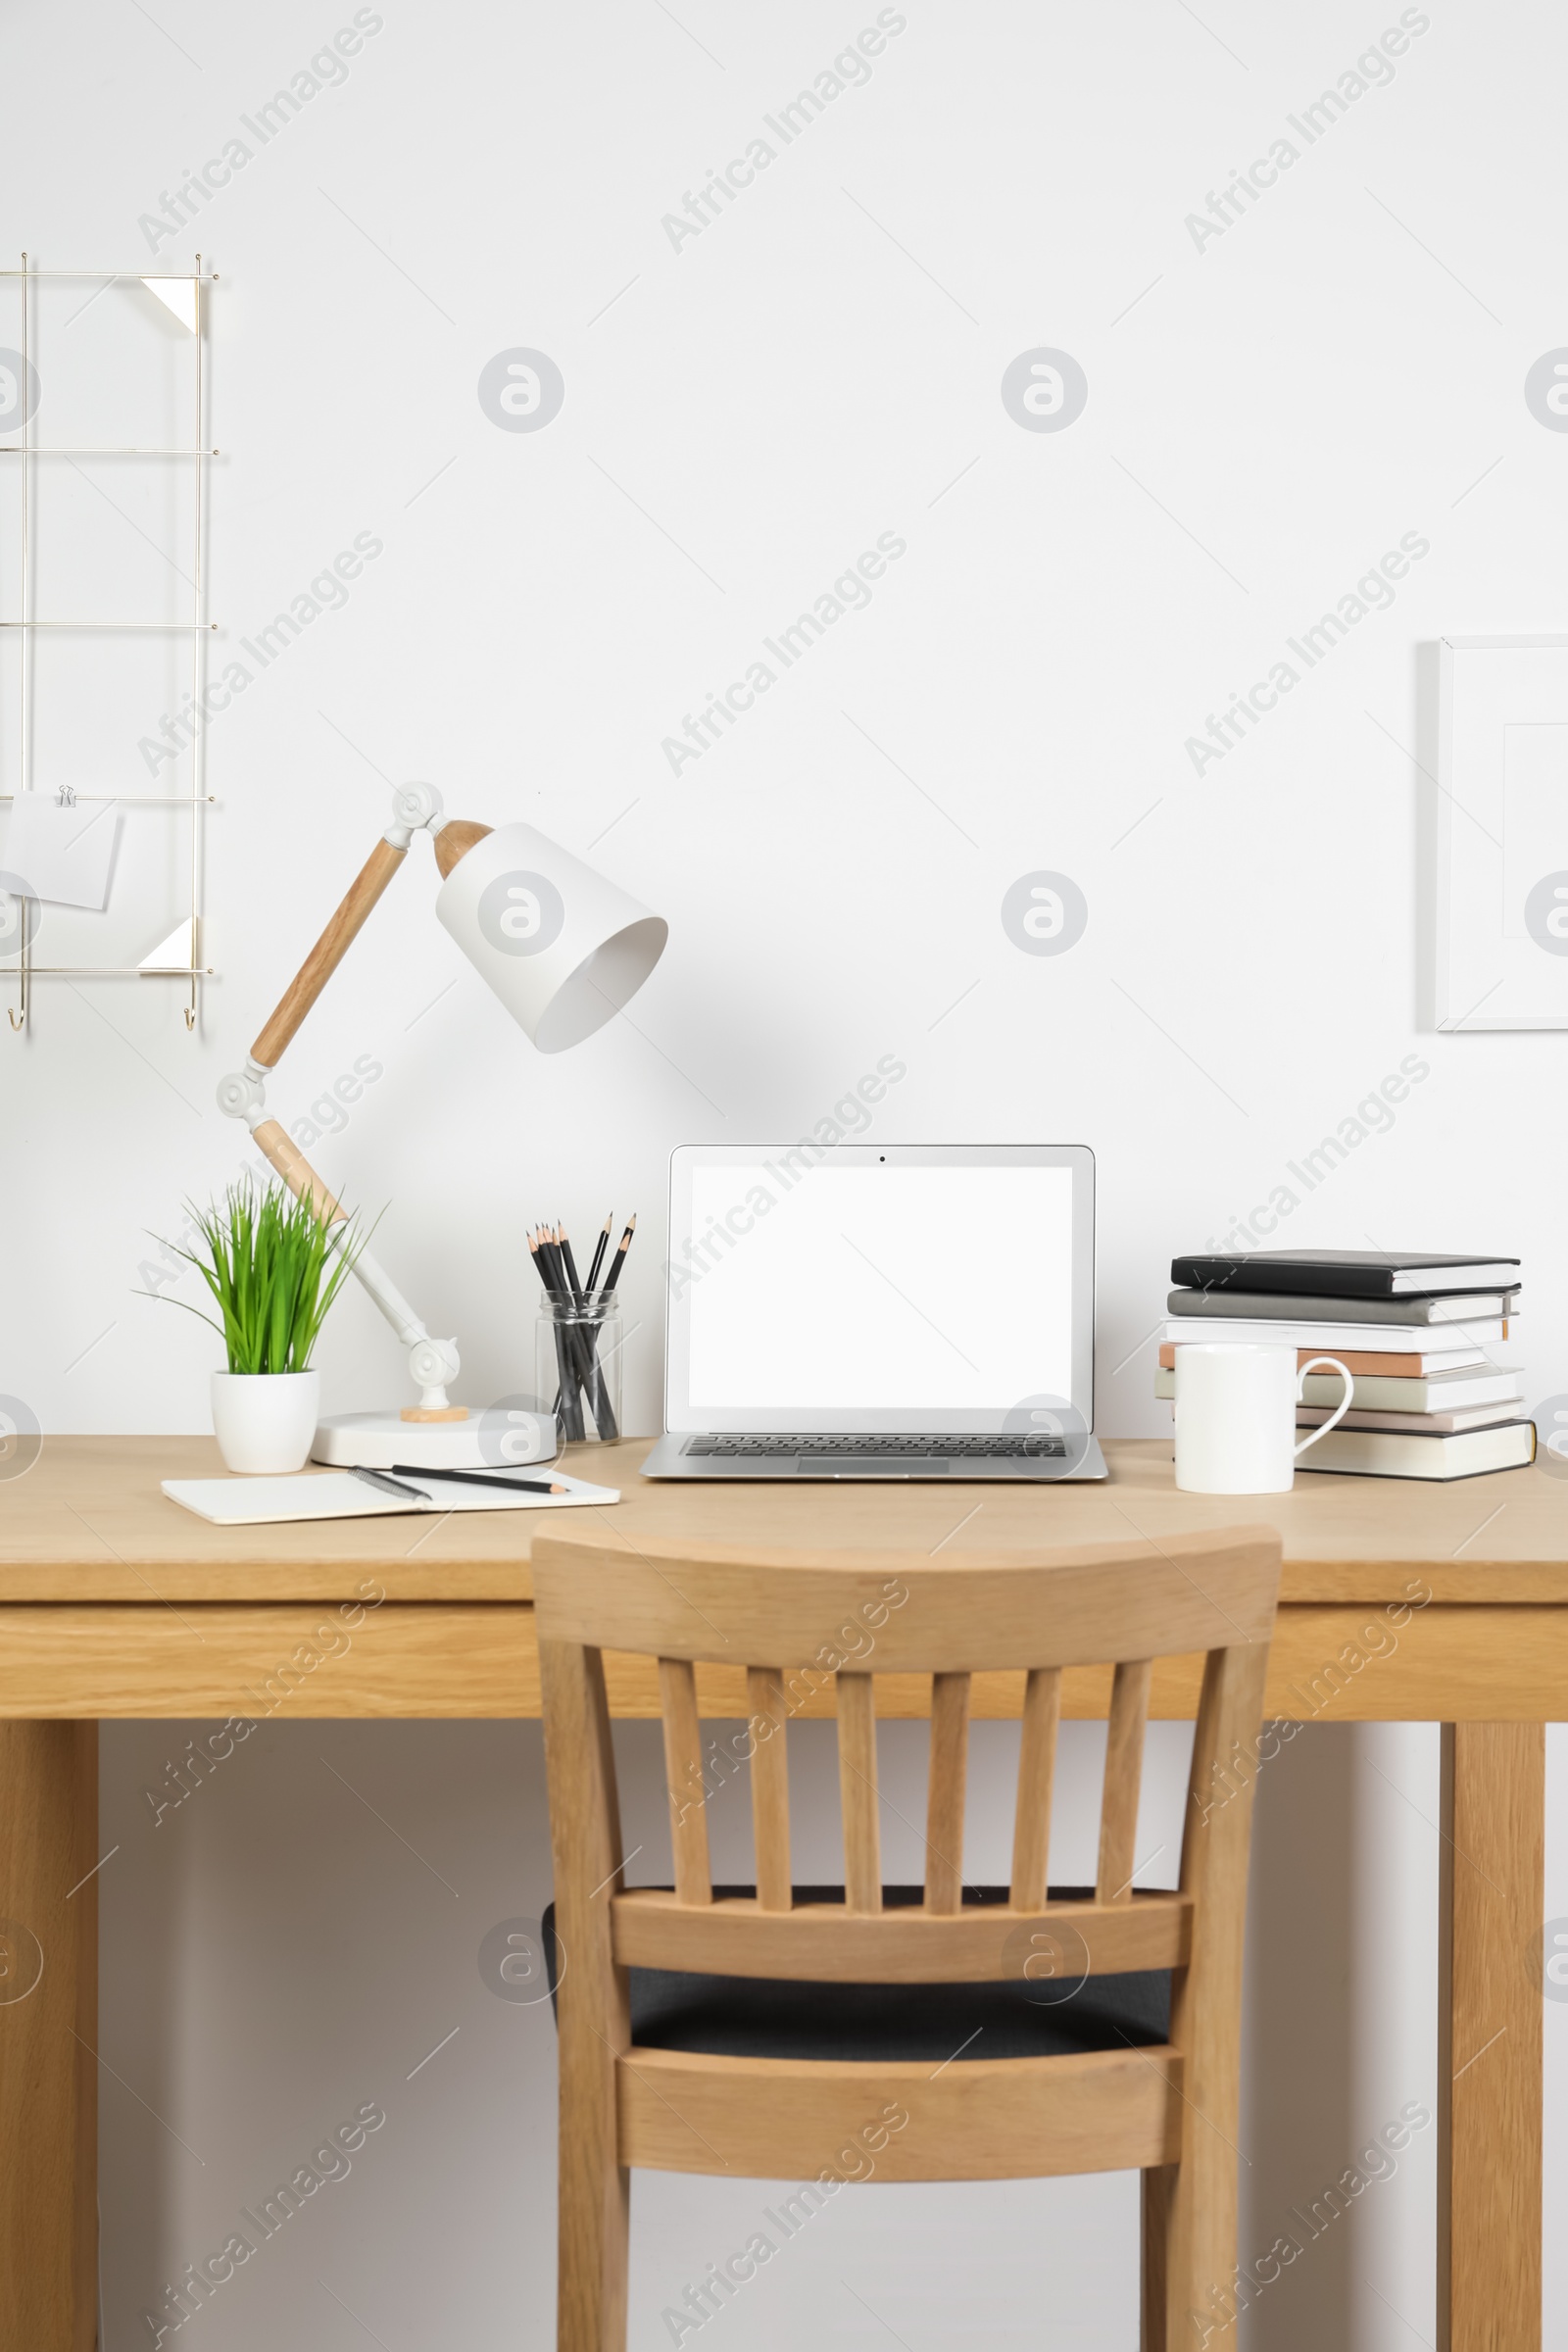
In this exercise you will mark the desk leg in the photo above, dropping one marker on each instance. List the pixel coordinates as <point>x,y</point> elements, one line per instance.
<point>1489,2094</point>
<point>48,1996</point>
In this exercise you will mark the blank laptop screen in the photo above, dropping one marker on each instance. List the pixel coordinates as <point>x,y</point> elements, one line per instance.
<point>876,1289</point>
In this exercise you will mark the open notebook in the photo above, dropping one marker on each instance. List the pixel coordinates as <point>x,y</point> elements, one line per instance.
<point>336,1494</point>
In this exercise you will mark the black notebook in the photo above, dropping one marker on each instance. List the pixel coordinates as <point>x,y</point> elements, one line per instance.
<point>1345,1273</point>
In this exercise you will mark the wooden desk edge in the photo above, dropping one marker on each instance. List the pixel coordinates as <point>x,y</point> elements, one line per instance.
<point>151,1581</point>
<point>1330,1663</point>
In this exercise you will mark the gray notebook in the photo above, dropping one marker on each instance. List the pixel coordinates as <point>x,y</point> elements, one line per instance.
<point>1296,1306</point>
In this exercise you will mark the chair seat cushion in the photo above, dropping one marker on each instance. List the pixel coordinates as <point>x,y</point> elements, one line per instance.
<point>770,2017</point>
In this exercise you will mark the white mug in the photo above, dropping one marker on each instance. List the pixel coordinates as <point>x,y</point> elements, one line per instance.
<point>1235,1407</point>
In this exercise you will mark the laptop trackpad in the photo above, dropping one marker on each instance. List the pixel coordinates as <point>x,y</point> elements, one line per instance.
<point>866,1465</point>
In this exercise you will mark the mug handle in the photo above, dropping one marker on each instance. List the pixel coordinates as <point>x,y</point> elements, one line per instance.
<point>1340,1410</point>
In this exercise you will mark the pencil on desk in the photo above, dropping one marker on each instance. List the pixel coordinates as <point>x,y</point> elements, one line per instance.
<point>477,1478</point>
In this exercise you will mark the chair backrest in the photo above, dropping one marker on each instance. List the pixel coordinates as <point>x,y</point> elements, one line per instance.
<point>795,1621</point>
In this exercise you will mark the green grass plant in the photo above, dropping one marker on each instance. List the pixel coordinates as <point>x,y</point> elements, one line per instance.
<point>273,1272</point>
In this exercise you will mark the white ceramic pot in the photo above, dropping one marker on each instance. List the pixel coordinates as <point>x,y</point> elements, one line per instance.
<point>264,1421</point>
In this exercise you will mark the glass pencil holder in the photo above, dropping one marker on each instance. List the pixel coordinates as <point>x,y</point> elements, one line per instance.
<point>578,1364</point>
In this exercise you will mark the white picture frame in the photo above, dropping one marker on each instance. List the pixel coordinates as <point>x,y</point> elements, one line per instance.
<point>1503,834</point>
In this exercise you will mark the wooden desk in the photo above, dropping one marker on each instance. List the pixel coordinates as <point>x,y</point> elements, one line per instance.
<point>1408,1603</point>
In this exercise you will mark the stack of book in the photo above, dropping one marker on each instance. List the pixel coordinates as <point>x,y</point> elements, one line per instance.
<point>1419,1335</point>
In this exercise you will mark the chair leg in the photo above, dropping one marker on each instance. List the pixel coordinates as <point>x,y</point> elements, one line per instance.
<point>1199,2245</point>
<point>1153,2336</point>
<point>593,2232</point>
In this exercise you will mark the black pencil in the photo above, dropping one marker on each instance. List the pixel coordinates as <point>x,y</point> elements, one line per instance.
<point>552,1273</point>
<point>550,1257</point>
<point>581,1343</point>
<point>587,1335</point>
<point>484,1478</point>
<point>567,1405</point>
<point>619,1259</point>
<point>600,1246</point>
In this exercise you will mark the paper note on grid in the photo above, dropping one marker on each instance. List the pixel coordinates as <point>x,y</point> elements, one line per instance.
<point>62,855</point>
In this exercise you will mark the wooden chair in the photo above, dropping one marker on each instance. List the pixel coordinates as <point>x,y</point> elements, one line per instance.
<point>686,2093</point>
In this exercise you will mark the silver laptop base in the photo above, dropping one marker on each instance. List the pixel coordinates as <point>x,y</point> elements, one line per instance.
<point>1029,1461</point>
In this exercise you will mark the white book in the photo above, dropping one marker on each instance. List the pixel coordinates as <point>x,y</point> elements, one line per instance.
<point>340,1495</point>
<point>1385,1392</point>
<point>1402,1424</point>
<point>1385,1338</point>
<point>1470,1453</point>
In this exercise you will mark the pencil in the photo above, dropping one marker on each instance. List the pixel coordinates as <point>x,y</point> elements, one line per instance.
<point>389,1486</point>
<point>619,1259</point>
<point>586,1334</point>
<point>550,1257</point>
<point>567,1405</point>
<point>581,1343</point>
<point>600,1246</point>
<point>484,1478</point>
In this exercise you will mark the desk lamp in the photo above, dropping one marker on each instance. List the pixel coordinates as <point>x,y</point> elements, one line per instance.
<point>563,948</point>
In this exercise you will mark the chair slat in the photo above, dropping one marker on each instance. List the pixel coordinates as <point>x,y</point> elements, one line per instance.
<point>770,1785</point>
<point>943,1818</point>
<point>862,1829</point>
<point>683,1774</point>
<point>1124,1772</point>
<point>903,1945</point>
<point>1037,1768</point>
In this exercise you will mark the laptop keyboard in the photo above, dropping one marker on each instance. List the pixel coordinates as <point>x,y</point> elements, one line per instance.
<point>1034,1445</point>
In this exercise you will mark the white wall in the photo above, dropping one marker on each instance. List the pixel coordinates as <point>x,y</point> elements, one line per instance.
<point>742,418</point>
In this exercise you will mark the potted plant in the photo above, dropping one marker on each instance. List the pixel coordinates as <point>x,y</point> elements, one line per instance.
<point>274,1268</point>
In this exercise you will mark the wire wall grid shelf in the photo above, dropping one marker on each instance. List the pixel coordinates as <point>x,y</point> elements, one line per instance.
<point>180,958</point>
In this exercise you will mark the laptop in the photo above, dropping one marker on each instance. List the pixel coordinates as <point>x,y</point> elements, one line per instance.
<point>881,1311</point>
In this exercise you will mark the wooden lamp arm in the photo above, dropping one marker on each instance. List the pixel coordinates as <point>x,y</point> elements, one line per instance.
<point>326,957</point>
<point>454,839</point>
<point>297,1172</point>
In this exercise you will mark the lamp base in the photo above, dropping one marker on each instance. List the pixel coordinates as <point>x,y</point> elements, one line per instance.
<point>502,1439</point>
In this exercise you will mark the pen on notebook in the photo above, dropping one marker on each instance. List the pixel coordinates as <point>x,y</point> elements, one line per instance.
<point>600,1246</point>
<point>389,1486</point>
<point>487,1478</point>
<point>619,1259</point>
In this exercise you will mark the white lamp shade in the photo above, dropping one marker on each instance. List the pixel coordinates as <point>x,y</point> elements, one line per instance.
<point>561,947</point>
